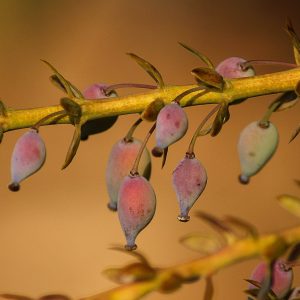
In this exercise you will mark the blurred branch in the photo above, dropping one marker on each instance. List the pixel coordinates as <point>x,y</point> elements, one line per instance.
<point>170,279</point>
<point>235,91</point>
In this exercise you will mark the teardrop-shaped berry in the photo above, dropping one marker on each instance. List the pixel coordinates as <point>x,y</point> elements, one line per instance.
<point>282,277</point>
<point>120,162</point>
<point>97,91</point>
<point>256,146</point>
<point>136,207</point>
<point>189,181</point>
<point>28,156</point>
<point>171,125</point>
<point>232,68</point>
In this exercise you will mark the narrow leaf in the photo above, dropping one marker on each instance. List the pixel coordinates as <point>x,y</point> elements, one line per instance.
<point>135,254</point>
<point>165,155</point>
<point>72,108</point>
<point>204,244</point>
<point>295,41</point>
<point>208,77</point>
<point>295,134</point>
<point>149,68</point>
<point>294,253</point>
<point>3,110</point>
<point>290,203</point>
<point>204,58</point>
<point>209,289</point>
<point>284,101</point>
<point>151,111</point>
<point>56,82</point>
<point>205,131</point>
<point>65,83</point>
<point>224,230</point>
<point>1,134</point>
<point>131,273</point>
<point>73,146</point>
<point>222,115</point>
<point>245,226</point>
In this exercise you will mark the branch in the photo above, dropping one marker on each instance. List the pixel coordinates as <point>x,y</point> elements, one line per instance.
<point>169,279</point>
<point>235,91</point>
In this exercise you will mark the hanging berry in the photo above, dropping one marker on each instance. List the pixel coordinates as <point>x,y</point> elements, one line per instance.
<point>171,125</point>
<point>28,156</point>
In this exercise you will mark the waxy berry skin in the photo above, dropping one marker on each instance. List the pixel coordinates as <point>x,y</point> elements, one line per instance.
<point>120,162</point>
<point>282,277</point>
<point>189,181</point>
<point>28,156</point>
<point>231,68</point>
<point>171,125</point>
<point>256,146</point>
<point>136,207</point>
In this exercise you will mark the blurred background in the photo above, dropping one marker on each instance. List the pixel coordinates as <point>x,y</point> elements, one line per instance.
<point>56,232</point>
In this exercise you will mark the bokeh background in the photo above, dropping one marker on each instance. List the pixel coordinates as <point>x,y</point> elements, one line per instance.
<point>56,232</point>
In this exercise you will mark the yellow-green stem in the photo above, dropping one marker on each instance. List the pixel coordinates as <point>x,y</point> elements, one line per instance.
<point>236,89</point>
<point>240,250</point>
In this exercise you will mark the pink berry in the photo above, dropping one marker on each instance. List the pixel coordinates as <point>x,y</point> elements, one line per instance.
<point>136,207</point>
<point>189,181</point>
<point>28,156</point>
<point>231,68</point>
<point>171,125</point>
<point>97,91</point>
<point>282,277</point>
<point>120,162</point>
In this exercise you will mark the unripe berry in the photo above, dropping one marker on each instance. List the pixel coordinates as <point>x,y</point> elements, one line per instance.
<point>282,277</point>
<point>232,68</point>
<point>136,207</point>
<point>189,181</point>
<point>171,125</point>
<point>97,91</point>
<point>256,145</point>
<point>28,156</point>
<point>120,162</point>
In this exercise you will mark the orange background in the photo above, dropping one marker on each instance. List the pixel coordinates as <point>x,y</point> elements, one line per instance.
<point>55,233</point>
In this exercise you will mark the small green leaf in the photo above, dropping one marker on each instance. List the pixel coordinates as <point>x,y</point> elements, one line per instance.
<point>165,155</point>
<point>295,41</point>
<point>3,110</point>
<point>204,58</point>
<point>135,254</point>
<point>290,203</point>
<point>1,134</point>
<point>284,101</point>
<point>72,108</point>
<point>295,134</point>
<point>221,117</point>
<point>56,82</point>
<point>209,78</point>
<point>203,243</point>
<point>224,230</point>
<point>149,68</point>
<point>151,111</point>
<point>62,83</point>
<point>134,272</point>
<point>243,225</point>
<point>73,146</point>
